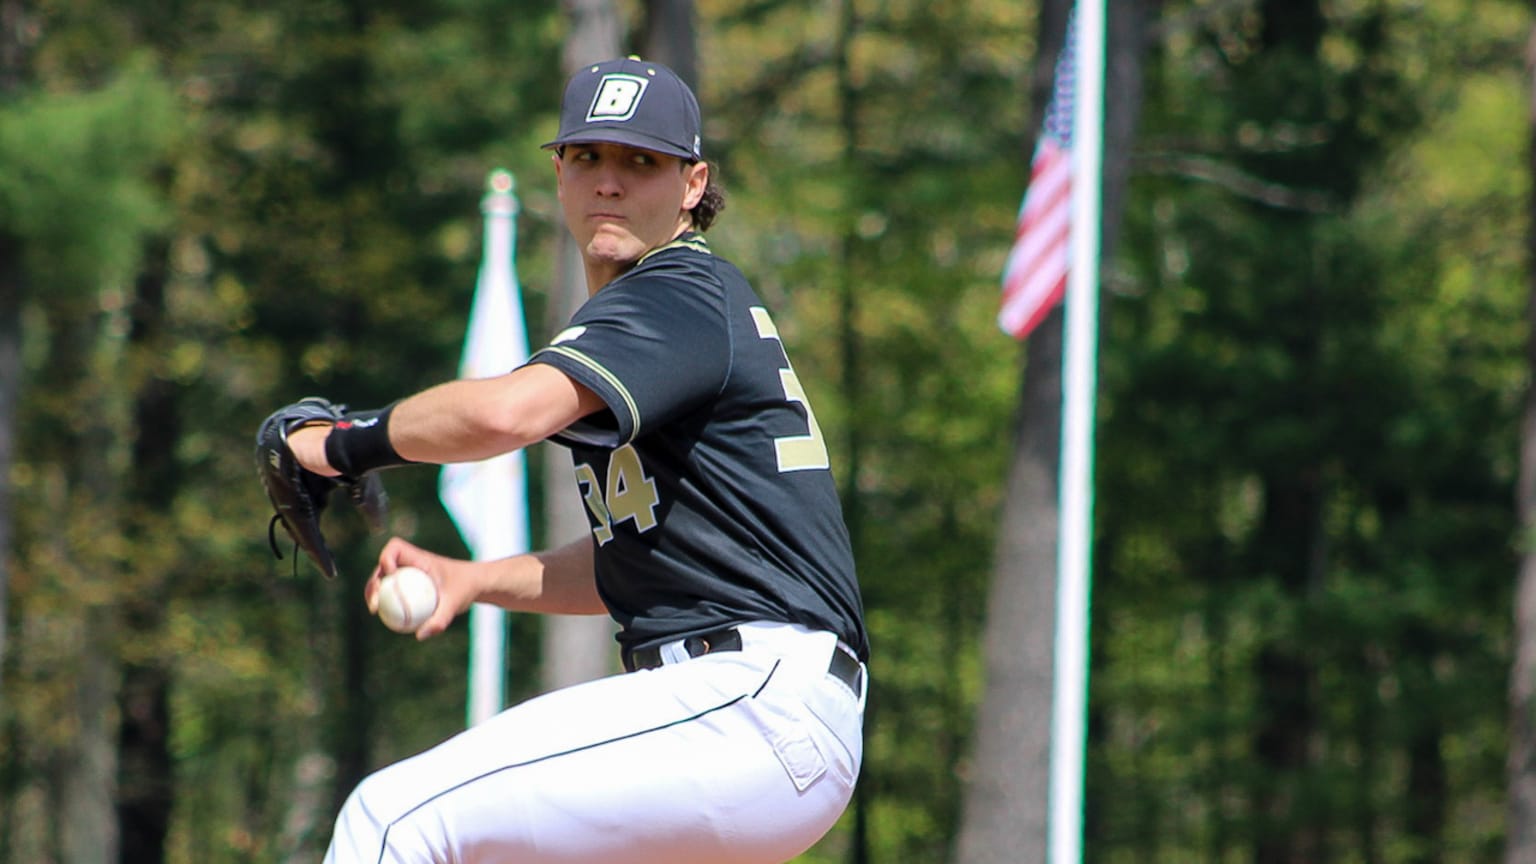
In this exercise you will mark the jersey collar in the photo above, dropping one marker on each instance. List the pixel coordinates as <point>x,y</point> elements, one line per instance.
<point>686,240</point>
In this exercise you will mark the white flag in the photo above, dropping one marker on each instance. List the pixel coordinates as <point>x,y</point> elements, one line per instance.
<point>488,500</point>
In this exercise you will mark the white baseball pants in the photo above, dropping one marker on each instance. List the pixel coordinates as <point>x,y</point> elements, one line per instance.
<point>735,757</point>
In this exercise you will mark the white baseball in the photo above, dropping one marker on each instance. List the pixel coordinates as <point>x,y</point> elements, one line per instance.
<point>407,598</point>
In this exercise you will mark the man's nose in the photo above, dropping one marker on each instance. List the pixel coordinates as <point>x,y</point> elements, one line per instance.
<point>609,181</point>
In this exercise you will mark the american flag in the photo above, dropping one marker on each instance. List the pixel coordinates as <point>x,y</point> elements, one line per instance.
<point>1035,278</point>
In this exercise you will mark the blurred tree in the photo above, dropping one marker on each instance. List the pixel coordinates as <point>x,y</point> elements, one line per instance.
<point>576,648</point>
<point>145,784</point>
<point>1007,806</point>
<point>1006,814</point>
<point>13,69</point>
<point>1287,360</point>
<point>1520,821</point>
<point>75,238</point>
<point>670,34</point>
<point>189,343</point>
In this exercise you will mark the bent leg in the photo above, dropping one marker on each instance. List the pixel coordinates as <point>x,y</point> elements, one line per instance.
<point>715,760</point>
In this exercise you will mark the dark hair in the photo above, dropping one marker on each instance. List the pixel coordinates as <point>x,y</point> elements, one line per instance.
<point>710,205</point>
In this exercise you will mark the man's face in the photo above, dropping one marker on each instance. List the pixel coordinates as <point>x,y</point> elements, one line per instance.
<point>621,202</point>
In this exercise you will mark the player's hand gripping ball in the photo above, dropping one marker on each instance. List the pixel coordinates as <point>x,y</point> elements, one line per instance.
<point>406,599</point>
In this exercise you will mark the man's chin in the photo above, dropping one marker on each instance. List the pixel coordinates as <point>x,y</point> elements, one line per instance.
<point>613,250</point>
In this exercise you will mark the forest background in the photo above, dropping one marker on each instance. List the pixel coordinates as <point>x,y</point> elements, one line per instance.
<point>1313,370</point>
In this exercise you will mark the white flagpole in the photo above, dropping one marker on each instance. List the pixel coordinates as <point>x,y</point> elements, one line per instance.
<point>1069,708</point>
<point>488,500</point>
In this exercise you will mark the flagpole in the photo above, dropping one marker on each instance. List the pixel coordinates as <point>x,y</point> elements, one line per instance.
<point>488,499</point>
<point>1069,707</point>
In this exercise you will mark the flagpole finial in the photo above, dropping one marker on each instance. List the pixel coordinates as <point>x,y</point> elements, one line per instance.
<point>499,200</point>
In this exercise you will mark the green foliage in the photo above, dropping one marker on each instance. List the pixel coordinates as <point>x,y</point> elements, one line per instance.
<point>75,176</point>
<point>1306,328</point>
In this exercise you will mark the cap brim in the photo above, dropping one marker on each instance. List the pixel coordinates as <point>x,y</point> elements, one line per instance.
<point>621,136</point>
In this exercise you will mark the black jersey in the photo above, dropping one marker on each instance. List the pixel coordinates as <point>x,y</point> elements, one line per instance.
<point>706,481</point>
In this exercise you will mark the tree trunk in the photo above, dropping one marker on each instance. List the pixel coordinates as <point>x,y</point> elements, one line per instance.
<point>13,64</point>
<point>595,34</point>
<point>1520,771</point>
<point>671,38</point>
<point>1005,815</point>
<point>12,777</point>
<point>352,133</point>
<point>1428,791</point>
<point>576,648</point>
<point>851,349</point>
<point>1005,811</point>
<point>352,736</point>
<point>89,831</point>
<point>146,783</point>
<point>145,779</point>
<point>1285,673</point>
<point>11,291</point>
<point>85,763</point>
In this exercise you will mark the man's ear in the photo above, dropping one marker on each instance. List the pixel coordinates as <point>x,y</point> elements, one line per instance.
<point>559,174</point>
<point>698,180</point>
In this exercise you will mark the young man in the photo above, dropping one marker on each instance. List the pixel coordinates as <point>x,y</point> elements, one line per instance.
<point>718,545</point>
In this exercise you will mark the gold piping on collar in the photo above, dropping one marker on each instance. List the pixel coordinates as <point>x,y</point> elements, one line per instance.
<point>688,239</point>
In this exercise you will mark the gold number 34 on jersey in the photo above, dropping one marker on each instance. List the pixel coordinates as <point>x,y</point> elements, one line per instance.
<point>631,494</point>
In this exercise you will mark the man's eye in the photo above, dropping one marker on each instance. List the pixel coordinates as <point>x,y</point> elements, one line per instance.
<point>644,159</point>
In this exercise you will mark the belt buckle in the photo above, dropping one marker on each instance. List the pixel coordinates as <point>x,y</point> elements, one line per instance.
<point>846,667</point>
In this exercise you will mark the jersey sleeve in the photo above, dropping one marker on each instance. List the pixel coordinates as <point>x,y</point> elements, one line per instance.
<point>652,349</point>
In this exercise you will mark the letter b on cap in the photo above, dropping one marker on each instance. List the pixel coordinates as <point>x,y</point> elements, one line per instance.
<point>617,97</point>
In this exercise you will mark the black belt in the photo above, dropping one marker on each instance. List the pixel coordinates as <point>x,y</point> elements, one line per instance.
<point>844,666</point>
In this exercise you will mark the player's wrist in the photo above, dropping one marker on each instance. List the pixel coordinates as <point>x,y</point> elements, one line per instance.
<point>307,444</point>
<point>359,443</point>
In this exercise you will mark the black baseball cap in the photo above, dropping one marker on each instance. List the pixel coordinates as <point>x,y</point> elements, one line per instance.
<point>630,101</point>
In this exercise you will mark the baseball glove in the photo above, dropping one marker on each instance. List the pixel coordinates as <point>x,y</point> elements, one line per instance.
<point>299,495</point>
